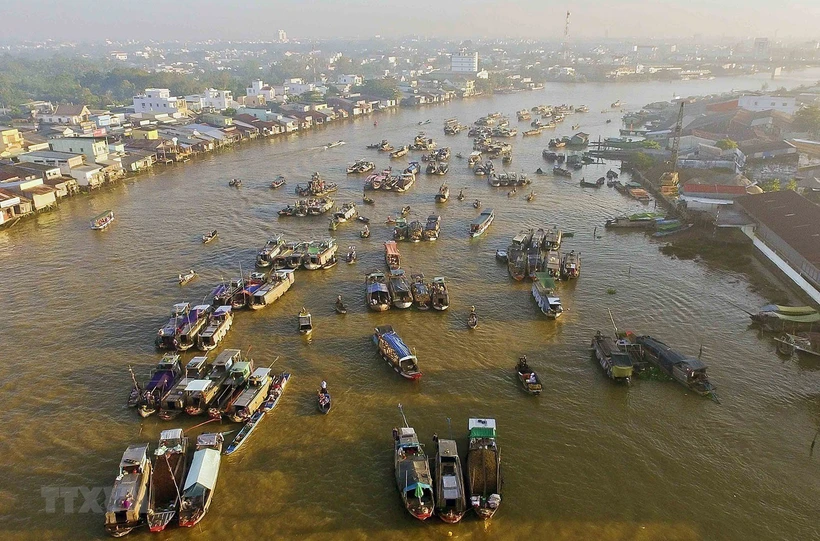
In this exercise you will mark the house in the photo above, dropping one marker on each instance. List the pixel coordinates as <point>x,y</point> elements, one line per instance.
<point>73,115</point>
<point>769,160</point>
<point>93,148</point>
<point>12,206</point>
<point>145,132</point>
<point>159,100</point>
<point>782,104</point>
<point>711,157</point>
<point>137,160</point>
<point>353,80</point>
<point>767,150</point>
<point>11,141</point>
<point>42,196</point>
<point>88,177</point>
<point>34,141</point>
<point>210,99</point>
<point>259,88</point>
<point>64,160</point>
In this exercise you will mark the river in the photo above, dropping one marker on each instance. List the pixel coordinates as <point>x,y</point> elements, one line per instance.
<point>588,459</point>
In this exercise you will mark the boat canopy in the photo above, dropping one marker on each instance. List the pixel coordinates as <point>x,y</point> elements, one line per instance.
<point>391,249</point>
<point>481,428</point>
<point>376,286</point>
<point>545,281</point>
<point>196,363</point>
<point>222,310</point>
<point>398,346</point>
<point>800,318</point>
<point>134,455</point>
<point>792,310</point>
<point>447,448</point>
<point>418,489</point>
<point>204,469</point>
<point>201,308</point>
<point>260,374</point>
<point>197,385</point>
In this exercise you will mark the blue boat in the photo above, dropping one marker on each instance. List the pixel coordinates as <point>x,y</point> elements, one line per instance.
<point>395,352</point>
<point>277,389</point>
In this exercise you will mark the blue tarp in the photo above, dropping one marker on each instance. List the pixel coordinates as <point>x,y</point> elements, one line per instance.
<point>398,346</point>
<point>371,288</point>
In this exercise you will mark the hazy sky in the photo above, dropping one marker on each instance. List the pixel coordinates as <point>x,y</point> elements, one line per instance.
<point>253,19</point>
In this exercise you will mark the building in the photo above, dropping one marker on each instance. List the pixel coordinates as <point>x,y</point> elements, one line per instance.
<point>159,100</point>
<point>42,196</point>
<point>67,114</point>
<point>767,103</point>
<point>64,160</point>
<point>12,206</point>
<point>259,88</point>
<point>789,225</point>
<point>761,49</point>
<point>464,61</point>
<point>11,141</point>
<point>282,36</point>
<point>353,80</point>
<point>93,148</point>
<point>218,100</point>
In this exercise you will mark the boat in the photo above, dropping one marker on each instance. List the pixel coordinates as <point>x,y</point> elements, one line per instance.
<point>553,238</point>
<point>102,221</point>
<point>405,210</point>
<point>472,319</point>
<point>672,231</point>
<point>365,233</point>
<point>523,115</point>
<point>278,283</point>
<point>415,231</point>
<point>549,155</point>
<point>534,247</point>
<point>305,322</point>
<point>616,104</point>
<point>235,183</point>
<point>173,402</point>
<point>168,334</point>
<point>688,371</point>
<point>561,172</point>
<point>254,281</point>
<point>201,393</point>
<point>377,294</point>
<point>552,264</point>
<point>530,196</point>
<point>443,194</point>
<point>193,323</point>
<point>596,184</point>
<point>271,249</point>
<point>251,397</point>
<point>451,502</point>
<point>323,400</point>
<point>773,317</point>
<point>483,467</point>
<point>392,257</point>
<point>413,477</point>
<point>518,253</point>
<point>395,352</point>
<point>399,288</point>
<point>501,255</point>
<point>278,182</point>
<point>208,237</point>
<point>529,133</point>
<point>611,174</point>
<point>473,158</point>
<point>351,254</point>
<point>615,356</point>
<point>230,389</point>
<point>219,323</point>
<point>807,343</point>
<point>167,475</point>
<point>334,144</point>
<point>320,254</point>
<point>527,376</point>
<point>277,388</point>
<point>439,296</point>
<point>482,223</point>
<point>360,166</point>
<point>315,207</point>
<point>413,168</point>
<point>126,505</point>
<point>224,293</point>
<point>641,220</point>
<point>571,265</point>
<point>383,146</point>
<point>200,483</point>
<point>543,290</point>
<point>339,306</point>
<point>582,109</point>
<point>420,291</point>
<point>187,277</point>
<point>400,152</point>
<point>317,187</point>
<point>477,204</point>
<point>433,227</point>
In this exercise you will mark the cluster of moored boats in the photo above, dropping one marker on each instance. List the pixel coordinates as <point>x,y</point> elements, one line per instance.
<point>416,231</point>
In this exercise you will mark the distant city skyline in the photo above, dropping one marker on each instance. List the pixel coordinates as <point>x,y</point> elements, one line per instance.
<point>201,20</point>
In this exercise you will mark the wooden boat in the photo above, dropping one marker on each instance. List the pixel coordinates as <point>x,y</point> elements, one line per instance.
<point>530,196</point>
<point>351,254</point>
<point>361,166</point>
<point>807,343</point>
<point>501,255</point>
<point>472,319</point>
<point>774,317</point>
<point>279,283</point>
<point>433,227</point>
<point>615,356</point>
<point>316,187</point>
<point>271,249</point>
<point>184,278</point>
<point>193,323</point>
<point>688,371</point>
<point>395,352</point>
<point>168,334</point>
<point>477,204</point>
<point>377,294</point>
<point>596,184</point>
<point>173,402</point>
<point>230,389</point>
<point>405,210</point>
<point>484,220</point>
<point>320,254</point>
<point>275,394</point>
<point>167,475</point>
<point>483,467</point>
<point>384,146</point>
<point>543,290</point>
<point>235,183</point>
<point>127,502</point>
<point>305,322</point>
<point>421,293</point>
<point>346,212</point>
<point>102,221</point>
<point>339,306</point>
<point>527,376</point>
<point>443,194</point>
<point>201,393</point>
<point>208,237</point>
<point>529,133</point>
<point>278,182</point>
<point>219,323</point>
<point>439,296</point>
<point>251,397</point>
<point>561,172</point>
<point>400,289</point>
<point>415,231</point>
<point>365,233</point>
<point>667,232</point>
<point>392,257</point>
<point>642,220</point>
<point>553,236</point>
<point>323,400</point>
<point>571,265</point>
<point>451,501</point>
<point>400,152</point>
<point>200,483</point>
<point>316,207</point>
<point>224,293</point>
<point>413,477</point>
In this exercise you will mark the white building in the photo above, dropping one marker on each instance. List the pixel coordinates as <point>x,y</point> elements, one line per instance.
<point>283,36</point>
<point>158,100</point>
<point>767,103</point>
<point>355,80</point>
<point>296,86</point>
<point>259,88</point>
<point>464,61</point>
<point>218,100</point>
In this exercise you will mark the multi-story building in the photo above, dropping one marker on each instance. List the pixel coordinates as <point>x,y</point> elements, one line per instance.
<point>158,100</point>
<point>768,103</point>
<point>464,61</point>
<point>11,141</point>
<point>93,148</point>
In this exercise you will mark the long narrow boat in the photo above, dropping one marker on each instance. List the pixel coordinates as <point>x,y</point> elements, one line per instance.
<point>277,389</point>
<point>252,396</point>
<point>528,377</point>
<point>163,378</point>
<point>279,282</point>
<point>231,389</point>
<point>167,475</point>
<point>483,467</point>
<point>272,248</point>
<point>774,317</point>
<point>219,323</point>
<point>377,294</point>
<point>128,501</point>
<point>807,343</point>
<point>200,483</point>
<point>168,334</point>
<point>399,288</point>
<point>396,353</point>
<point>173,403</point>
<point>688,371</point>
<point>451,503</point>
<point>439,295</point>
<point>193,324</point>
<point>421,293</point>
<point>413,477</point>
<point>482,223</point>
<point>392,257</point>
<point>543,290</point>
<point>614,356</point>
<point>102,221</point>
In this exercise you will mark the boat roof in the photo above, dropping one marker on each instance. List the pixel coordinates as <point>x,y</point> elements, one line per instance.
<point>376,286</point>
<point>204,469</point>
<point>209,439</point>
<point>260,373</point>
<point>198,385</point>
<point>391,248</point>
<point>553,300</point>
<point>226,355</point>
<point>799,318</point>
<point>196,362</point>
<point>447,448</point>
<point>171,434</point>
<point>670,356</point>
<point>406,431</point>
<point>487,212</point>
<point>242,366</point>
<point>397,344</point>
<point>134,454</point>
<point>481,428</point>
<point>201,307</point>
<point>181,307</point>
<point>397,272</point>
<point>222,310</point>
<point>546,281</point>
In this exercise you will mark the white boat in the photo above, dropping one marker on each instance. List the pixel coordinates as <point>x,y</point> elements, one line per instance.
<point>268,293</point>
<point>129,497</point>
<point>201,480</point>
<point>103,220</point>
<point>305,322</point>
<point>484,220</point>
<point>219,323</point>
<point>346,212</point>
<point>268,253</point>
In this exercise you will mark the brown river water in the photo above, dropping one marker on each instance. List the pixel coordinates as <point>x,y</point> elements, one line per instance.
<point>588,459</point>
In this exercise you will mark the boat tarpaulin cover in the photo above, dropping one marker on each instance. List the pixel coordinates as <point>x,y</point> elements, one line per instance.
<point>396,343</point>
<point>418,489</point>
<point>204,469</point>
<point>481,432</point>
<point>545,280</point>
<point>376,286</point>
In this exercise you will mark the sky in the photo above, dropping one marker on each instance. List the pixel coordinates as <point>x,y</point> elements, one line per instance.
<point>96,20</point>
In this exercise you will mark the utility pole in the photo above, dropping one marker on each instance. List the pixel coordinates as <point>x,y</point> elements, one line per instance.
<point>566,38</point>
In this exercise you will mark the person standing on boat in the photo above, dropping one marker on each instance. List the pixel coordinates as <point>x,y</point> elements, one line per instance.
<point>323,390</point>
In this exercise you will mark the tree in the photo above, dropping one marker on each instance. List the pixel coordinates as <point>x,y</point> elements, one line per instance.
<point>387,88</point>
<point>770,185</point>
<point>792,185</point>
<point>312,96</point>
<point>726,144</point>
<point>642,161</point>
<point>230,111</point>
<point>807,119</point>
<point>651,145</point>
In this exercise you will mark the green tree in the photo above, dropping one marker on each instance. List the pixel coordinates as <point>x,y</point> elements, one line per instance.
<point>770,185</point>
<point>230,111</point>
<point>642,161</point>
<point>651,145</point>
<point>312,96</point>
<point>792,185</point>
<point>387,88</point>
<point>726,144</point>
<point>807,119</point>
